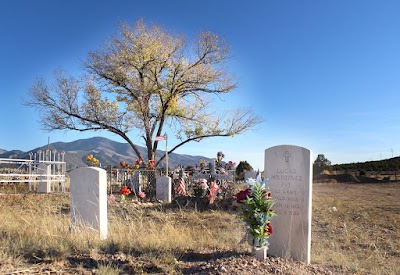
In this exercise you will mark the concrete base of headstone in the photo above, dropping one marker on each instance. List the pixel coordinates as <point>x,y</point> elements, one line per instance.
<point>289,169</point>
<point>164,189</point>
<point>44,178</point>
<point>88,190</point>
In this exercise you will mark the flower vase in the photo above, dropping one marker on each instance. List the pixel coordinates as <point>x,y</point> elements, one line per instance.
<point>260,252</point>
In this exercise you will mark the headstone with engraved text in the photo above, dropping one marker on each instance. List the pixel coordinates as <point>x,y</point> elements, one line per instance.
<point>289,170</point>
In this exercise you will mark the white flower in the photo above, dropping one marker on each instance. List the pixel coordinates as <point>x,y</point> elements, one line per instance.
<point>250,182</point>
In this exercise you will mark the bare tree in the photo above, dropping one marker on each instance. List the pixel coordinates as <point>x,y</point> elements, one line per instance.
<point>145,79</point>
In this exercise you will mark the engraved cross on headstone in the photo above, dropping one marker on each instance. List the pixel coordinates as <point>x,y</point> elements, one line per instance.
<point>287,155</point>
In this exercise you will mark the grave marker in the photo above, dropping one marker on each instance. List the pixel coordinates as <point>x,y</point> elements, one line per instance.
<point>289,170</point>
<point>164,189</point>
<point>88,192</point>
<point>44,178</point>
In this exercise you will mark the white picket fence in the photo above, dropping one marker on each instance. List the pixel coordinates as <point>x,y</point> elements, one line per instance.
<point>44,171</point>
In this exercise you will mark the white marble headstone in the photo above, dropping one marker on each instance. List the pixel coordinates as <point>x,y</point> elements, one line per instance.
<point>88,192</point>
<point>289,170</point>
<point>164,189</point>
<point>44,171</point>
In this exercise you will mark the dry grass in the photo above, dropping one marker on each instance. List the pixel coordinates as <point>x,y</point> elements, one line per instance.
<point>35,228</point>
<point>364,233</point>
<point>362,236</point>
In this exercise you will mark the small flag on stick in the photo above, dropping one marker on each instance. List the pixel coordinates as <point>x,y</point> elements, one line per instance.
<point>158,138</point>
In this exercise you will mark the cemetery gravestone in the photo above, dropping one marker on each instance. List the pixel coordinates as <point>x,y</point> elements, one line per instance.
<point>44,178</point>
<point>164,189</point>
<point>89,199</point>
<point>289,172</point>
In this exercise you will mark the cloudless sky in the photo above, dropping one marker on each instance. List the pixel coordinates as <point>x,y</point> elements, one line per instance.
<point>325,75</point>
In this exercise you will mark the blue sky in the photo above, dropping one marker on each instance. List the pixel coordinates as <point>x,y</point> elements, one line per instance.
<point>325,75</point>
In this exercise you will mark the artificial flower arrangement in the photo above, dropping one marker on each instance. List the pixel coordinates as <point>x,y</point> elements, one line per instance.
<point>230,165</point>
<point>256,212</point>
<point>125,191</point>
<point>92,160</point>
<point>218,160</point>
<point>203,165</point>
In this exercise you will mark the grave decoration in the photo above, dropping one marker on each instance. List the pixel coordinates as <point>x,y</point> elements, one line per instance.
<point>133,178</point>
<point>214,188</point>
<point>256,211</point>
<point>201,188</point>
<point>124,192</point>
<point>230,165</point>
<point>92,161</point>
<point>180,187</point>
<point>203,164</point>
<point>123,196</point>
<point>220,156</point>
<point>213,180</point>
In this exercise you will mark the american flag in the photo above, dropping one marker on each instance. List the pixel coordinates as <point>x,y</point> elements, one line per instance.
<point>158,138</point>
<point>180,188</point>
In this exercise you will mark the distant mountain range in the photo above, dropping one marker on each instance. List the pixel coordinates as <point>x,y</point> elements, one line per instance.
<point>107,151</point>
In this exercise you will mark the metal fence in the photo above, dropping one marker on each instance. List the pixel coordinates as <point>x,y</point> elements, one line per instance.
<point>137,180</point>
<point>43,167</point>
<point>145,180</point>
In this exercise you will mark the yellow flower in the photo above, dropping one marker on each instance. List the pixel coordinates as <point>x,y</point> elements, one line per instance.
<point>89,158</point>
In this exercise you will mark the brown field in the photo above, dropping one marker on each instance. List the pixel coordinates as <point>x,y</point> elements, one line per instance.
<point>364,233</point>
<point>361,237</point>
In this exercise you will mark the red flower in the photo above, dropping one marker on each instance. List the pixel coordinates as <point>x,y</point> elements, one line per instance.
<point>242,195</point>
<point>125,190</point>
<point>268,196</point>
<point>268,228</point>
<point>151,164</point>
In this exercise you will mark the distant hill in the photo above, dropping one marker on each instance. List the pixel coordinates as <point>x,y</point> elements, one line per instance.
<point>392,164</point>
<point>107,151</point>
<point>11,154</point>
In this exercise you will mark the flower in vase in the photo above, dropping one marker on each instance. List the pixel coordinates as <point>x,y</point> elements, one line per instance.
<point>256,212</point>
